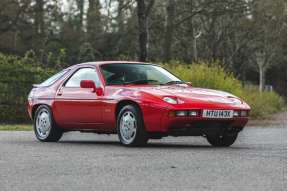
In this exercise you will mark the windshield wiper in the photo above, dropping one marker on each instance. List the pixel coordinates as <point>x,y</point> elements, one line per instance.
<point>142,81</point>
<point>174,82</point>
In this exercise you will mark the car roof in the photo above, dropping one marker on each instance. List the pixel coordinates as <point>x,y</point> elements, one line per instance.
<point>108,62</point>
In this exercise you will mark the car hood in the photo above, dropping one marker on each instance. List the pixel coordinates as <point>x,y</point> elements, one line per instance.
<point>188,94</point>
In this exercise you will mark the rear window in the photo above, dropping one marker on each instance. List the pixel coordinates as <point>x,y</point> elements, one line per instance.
<point>54,78</point>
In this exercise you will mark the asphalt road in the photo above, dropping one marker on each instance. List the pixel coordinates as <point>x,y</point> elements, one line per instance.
<point>258,161</point>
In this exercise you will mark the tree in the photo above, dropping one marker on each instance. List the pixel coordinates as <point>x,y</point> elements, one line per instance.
<point>87,53</point>
<point>11,12</point>
<point>169,29</point>
<point>94,21</point>
<point>39,21</point>
<point>81,5</point>
<point>143,10</point>
<point>267,20</point>
<point>247,36</point>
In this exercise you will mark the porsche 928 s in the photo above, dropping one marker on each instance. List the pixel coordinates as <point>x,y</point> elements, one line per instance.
<point>137,101</point>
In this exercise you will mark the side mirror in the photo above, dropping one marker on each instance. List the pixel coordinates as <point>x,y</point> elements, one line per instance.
<point>91,85</point>
<point>88,84</point>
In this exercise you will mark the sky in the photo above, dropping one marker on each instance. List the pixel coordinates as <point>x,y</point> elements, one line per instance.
<point>68,3</point>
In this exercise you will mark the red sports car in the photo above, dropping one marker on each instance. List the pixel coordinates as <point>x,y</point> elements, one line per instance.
<point>138,101</point>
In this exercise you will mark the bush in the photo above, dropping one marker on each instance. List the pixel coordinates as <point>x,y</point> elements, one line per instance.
<point>214,76</point>
<point>263,104</point>
<point>210,76</point>
<point>17,77</point>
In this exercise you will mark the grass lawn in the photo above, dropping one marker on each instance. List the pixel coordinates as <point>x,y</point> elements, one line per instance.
<point>16,127</point>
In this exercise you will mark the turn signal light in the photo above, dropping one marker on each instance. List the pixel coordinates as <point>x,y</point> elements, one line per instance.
<point>240,113</point>
<point>236,114</point>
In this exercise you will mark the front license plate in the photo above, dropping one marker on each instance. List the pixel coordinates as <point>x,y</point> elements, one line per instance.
<point>218,114</point>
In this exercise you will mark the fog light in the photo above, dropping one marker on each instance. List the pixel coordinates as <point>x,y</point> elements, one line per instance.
<point>244,113</point>
<point>236,114</point>
<point>180,113</point>
<point>193,113</point>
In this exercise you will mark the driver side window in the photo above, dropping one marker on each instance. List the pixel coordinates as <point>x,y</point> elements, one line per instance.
<point>83,74</point>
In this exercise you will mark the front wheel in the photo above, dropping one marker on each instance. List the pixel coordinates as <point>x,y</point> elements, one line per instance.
<point>224,140</point>
<point>44,126</point>
<point>130,126</point>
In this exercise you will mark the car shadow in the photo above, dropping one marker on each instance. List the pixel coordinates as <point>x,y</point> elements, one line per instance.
<point>161,145</point>
<point>190,146</point>
<point>83,142</point>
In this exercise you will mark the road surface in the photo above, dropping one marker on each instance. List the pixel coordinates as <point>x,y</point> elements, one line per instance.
<point>257,161</point>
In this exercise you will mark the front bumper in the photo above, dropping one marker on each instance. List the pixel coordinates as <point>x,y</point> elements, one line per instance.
<point>159,120</point>
<point>189,122</point>
<point>179,126</point>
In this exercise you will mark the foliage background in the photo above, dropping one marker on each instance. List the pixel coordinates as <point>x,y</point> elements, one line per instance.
<point>19,74</point>
<point>247,36</point>
<point>17,77</point>
<point>214,76</point>
<point>242,42</point>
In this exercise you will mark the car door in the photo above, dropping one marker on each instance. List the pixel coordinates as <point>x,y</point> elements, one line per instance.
<point>76,107</point>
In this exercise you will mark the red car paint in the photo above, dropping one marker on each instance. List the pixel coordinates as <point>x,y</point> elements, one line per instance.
<point>87,110</point>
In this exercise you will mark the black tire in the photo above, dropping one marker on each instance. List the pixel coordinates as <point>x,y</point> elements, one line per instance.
<point>140,135</point>
<point>224,140</point>
<point>54,133</point>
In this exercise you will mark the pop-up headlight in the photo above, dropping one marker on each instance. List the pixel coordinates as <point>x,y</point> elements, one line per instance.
<point>170,100</point>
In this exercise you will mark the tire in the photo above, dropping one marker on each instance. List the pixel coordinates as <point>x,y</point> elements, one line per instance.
<point>130,126</point>
<point>45,127</point>
<point>225,140</point>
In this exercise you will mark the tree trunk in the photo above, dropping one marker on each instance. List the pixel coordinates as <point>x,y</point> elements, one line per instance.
<point>143,11</point>
<point>120,16</point>
<point>39,17</point>
<point>261,61</point>
<point>80,5</point>
<point>143,30</point>
<point>195,57</point>
<point>170,9</point>
<point>261,78</point>
<point>94,21</point>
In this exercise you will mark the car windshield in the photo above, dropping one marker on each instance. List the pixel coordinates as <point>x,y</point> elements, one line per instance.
<point>124,74</point>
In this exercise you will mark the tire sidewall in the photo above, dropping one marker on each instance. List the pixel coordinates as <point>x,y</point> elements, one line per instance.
<point>139,124</point>
<point>53,127</point>
<point>225,141</point>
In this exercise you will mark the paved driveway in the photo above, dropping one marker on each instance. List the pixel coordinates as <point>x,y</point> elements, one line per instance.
<point>258,161</point>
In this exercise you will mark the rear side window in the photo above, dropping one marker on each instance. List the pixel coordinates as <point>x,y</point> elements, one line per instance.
<point>54,78</point>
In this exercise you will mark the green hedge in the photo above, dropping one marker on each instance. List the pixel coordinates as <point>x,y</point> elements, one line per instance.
<point>210,76</point>
<point>216,77</point>
<point>263,104</point>
<point>17,75</point>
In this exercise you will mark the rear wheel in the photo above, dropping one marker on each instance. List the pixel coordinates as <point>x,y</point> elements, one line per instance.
<point>130,126</point>
<point>44,126</point>
<point>222,140</point>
